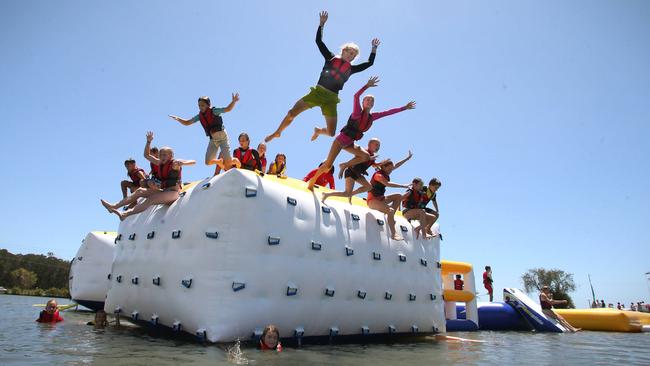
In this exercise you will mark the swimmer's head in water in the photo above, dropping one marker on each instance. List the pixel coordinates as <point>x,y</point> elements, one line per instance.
<point>244,140</point>
<point>204,103</point>
<point>166,154</point>
<point>51,306</point>
<point>373,145</point>
<point>349,51</point>
<point>271,336</point>
<point>100,318</point>
<point>368,102</point>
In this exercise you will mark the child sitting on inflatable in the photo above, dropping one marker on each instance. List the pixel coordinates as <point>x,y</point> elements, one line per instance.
<point>376,196</point>
<point>261,150</point>
<point>212,123</point>
<point>359,122</point>
<point>244,156</point>
<point>323,179</point>
<point>170,171</point>
<point>335,73</point>
<point>153,180</point>
<point>547,303</point>
<point>270,340</point>
<point>278,166</point>
<point>50,314</point>
<point>429,195</point>
<point>136,174</point>
<point>412,207</point>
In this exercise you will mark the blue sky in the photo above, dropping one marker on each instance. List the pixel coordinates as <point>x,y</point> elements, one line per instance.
<point>534,114</point>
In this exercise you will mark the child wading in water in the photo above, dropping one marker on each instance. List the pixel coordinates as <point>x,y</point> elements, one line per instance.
<point>359,122</point>
<point>335,73</point>
<point>386,204</point>
<point>170,175</point>
<point>50,314</point>
<point>212,123</point>
<point>270,340</point>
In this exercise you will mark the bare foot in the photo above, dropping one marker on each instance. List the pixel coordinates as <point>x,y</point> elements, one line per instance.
<point>396,237</point>
<point>272,136</point>
<point>316,133</point>
<point>122,216</point>
<point>324,197</point>
<point>107,206</point>
<point>310,187</point>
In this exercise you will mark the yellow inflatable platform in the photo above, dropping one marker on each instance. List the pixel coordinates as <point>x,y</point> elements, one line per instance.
<point>611,320</point>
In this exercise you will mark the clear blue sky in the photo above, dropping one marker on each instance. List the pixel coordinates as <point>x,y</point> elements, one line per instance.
<point>534,114</point>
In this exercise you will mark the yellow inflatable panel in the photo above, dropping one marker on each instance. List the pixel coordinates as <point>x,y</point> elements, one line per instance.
<point>611,320</point>
<point>451,267</point>
<point>458,295</point>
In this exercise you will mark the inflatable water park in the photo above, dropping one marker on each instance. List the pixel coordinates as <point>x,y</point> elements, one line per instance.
<point>317,270</point>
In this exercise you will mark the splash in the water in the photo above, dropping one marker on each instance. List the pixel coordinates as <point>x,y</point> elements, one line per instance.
<point>235,354</point>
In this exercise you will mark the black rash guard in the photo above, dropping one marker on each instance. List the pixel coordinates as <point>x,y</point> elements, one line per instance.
<point>327,79</point>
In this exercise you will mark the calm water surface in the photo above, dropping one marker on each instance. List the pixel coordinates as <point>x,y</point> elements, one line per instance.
<point>24,342</point>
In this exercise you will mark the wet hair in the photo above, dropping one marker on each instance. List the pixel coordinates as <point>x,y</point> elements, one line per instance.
<point>129,161</point>
<point>205,99</point>
<point>153,150</point>
<point>270,328</point>
<point>351,45</point>
<point>435,182</point>
<point>50,301</point>
<point>244,134</point>
<point>417,180</point>
<point>168,149</point>
<point>487,267</point>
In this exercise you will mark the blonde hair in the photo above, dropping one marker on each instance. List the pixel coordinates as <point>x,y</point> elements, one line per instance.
<point>368,96</point>
<point>168,149</point>
<point>351,45</point>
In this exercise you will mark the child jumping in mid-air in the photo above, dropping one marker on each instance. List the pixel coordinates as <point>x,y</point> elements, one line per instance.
<point>324,179</point>
<point>336,71</point>
<point>136,174</point>
<point>279,165</point>
<point>359,122</point>
<point>413,210</point>
<point>212,123</point>
<point>429,195</point>
<point>170,170</point>
<point>376,196</point>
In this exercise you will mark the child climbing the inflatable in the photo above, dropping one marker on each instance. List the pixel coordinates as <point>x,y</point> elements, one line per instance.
<point>244,156</point>
<point>336,71</point>
<point>135,173</point>
<point>50,314</point>
<point>376,196</point>
<point>170,173</point>
<point>413,210</point>
<point>359,122</point>
<point>270,340</point>
<point>212,123</point>
<point>429,195</point>
<point>279,165</point>
<point>324,179</point>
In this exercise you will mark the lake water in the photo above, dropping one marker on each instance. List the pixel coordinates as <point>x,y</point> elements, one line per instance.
<point>24,342</point>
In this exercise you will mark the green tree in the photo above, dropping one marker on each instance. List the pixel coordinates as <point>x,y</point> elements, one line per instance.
<point>23,278</point>
<point>560,283</point>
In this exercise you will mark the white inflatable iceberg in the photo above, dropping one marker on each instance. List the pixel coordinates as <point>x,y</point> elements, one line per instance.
<point>89,269</point>
<point>239,251</point>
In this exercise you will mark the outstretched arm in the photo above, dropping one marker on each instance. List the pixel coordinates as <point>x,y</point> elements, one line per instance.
<point>378,115</point>
<point>356,107</point>
<point>383,181</point>
<point>401,162</point>
<point>184,122</point>
<point>147,152</point>
<point>235,99</point>
<point>180,162</point>
<point>371,58</point>
<point>319,37</point>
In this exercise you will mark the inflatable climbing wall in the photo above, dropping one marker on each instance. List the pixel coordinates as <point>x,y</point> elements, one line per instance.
<point>89,268</point>
<point>239,251</point>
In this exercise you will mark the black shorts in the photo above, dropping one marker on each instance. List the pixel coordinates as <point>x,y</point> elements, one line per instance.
<point>351,173</point>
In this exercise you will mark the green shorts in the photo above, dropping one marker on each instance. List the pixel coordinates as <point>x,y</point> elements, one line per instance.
<point>323,98</point>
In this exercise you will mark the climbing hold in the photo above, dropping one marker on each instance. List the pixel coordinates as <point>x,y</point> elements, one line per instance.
<point>206,185</point>
<point>177,326</point>
<point>182,194</point>
<point>404,228</point>
<point>388,295</point>
<point>118,237</point>
<point>414,328</point>
<point>355,217</point>
<point>187,282</point>
<point>361,294</point>
<point>365,330</point>
<point>134,280</point>
<point>432,296</point>
<point>109,276</point>
<point>402,258</point>
<point>154,319</point>
<point>132,236</point>
<point>251,192</point>
<point>292,201</point>
<point>411,297</point>
<point>438,265</point>
<point>326,209</point>
<point>380,222</point>
<point>151,235</point>
<point>316,246</point>
<point>423,262</point>
<point>329,292</point>
<point>349,251</point>
<point>80,258</point>
<point>292,290</point>
<point>118,278</point>
<point>236,286</point>
<point>391,329</point>
<point>202,335</point>
<point>117,310</point>
<point>212,235</point>
<point>156,281</point>
<point>376,256</point>
<point>273,240</point>
<point>176,234</point>
<point>134,315</point>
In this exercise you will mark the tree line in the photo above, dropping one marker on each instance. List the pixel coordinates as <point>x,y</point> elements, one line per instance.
<point>34,274</point>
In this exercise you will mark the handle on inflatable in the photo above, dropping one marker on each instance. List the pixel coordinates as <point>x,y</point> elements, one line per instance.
<point>156,281</point>
<point>237,286</point>
<point>176,234</point>
<point>250,192</point>
<point>349,251</point>
<point>292,201</point>
<point>376,256</point>
<point>423,262</point>
<point>355,217</point>
<point>187,283</point>
<point>151,235</point>
<point>402,257</point>
<point>273,240</point>
<point>326,209</point>
<point>316,246</point>
<point>212,235</point>
<point>329,292</point>
<point>388,295</point>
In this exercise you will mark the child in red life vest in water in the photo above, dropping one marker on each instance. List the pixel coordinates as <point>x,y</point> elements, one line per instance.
<point>336,71</point>
<point>270,340</point>
<point>458,283</point>
<point>324,178</point>
<point>50,314</point>
<point>136,174</point>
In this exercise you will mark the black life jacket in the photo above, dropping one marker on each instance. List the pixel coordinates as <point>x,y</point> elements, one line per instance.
<point>413,199</point>
<point>335,73</point>
<point>378,189</point>
<point>210,122</point>
<point>246,158</point>
<point>354,129</point>
<point>133,174</point>
<point>168,176</point>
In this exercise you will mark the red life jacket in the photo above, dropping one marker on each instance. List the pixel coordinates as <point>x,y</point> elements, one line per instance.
<point>210,122</point>
<point>264,347</point>
<point>413,199</point>
<point>378,189</point>
<point>458,284</point>
<point>246,159</point>
<point>168,176</point>
<point>263,161</point>
<point>340,69</point>
<point>154,171</point>
<point>45,317</point>
<point>133,174</point>
<point>354,129</point>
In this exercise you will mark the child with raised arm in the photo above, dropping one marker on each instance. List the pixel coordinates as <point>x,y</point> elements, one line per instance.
<point>336,71</point>
<point>376,196</point>
<point>359,122</point>
<point>278,166</point>
<point>212,123</point>
<point>170,171</point>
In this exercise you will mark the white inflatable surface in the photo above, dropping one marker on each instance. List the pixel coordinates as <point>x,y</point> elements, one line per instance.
<point>238,251</point>
<point>89,270</point>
